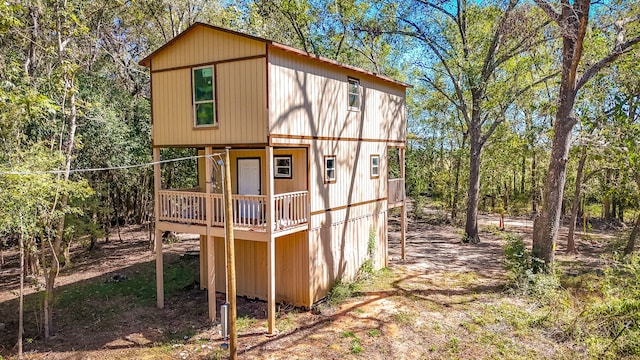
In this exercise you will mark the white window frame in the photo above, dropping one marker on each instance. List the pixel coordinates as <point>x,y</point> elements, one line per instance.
<point>350,82</point>
<point>276,167</point>
<point>327,178</point>
<point>196,103</point>
<point>374,169</point>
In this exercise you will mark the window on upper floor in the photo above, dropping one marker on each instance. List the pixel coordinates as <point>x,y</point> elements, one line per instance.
<point>375,166</point>
<point>330,169</point>
<point>204,101</point>
<point>354,94</point>
<point>283,166</point>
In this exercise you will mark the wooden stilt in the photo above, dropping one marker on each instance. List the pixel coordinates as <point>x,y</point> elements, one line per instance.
<point>403,218</point>
<point>203,262</point>
<point>209,266</point>
<point>231,264</point>
<point>158,248</point>
<point>271,245</point>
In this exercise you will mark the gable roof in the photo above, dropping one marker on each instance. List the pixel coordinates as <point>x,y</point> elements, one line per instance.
<point>146,62</point>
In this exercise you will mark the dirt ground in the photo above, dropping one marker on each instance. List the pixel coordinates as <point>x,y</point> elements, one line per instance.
<point>427,306</point>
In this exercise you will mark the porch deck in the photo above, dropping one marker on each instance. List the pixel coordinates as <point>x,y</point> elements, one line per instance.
<point>186,211</point>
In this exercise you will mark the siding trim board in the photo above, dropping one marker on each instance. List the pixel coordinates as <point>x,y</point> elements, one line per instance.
<point>307,137</point>
<point>210,63</point>
<point>238,146</point>
<point>319,212</point>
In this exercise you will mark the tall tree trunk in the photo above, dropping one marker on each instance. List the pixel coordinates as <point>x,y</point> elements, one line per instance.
<point>21,293</point>
<point>572,18</point>
<point>456,184</point>
<point>546,225</point>
<point>523,174</point>
<point>534,184</point>
<point>636,228</point>
<point>575,206</point>
<point>606,202</point>
<point>632,238</point>
<point>56,247</point>
<point>471,227</point>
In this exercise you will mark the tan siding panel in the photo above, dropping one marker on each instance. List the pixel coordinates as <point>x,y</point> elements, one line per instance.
<point>310,99</point>
<point>337,251</point>
<point>203,45</point>
<point>241,106</point>
<point>292,269</point>
<point>298,181</point>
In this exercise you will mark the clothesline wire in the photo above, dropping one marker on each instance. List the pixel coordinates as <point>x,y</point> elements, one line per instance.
<point>121,167</point>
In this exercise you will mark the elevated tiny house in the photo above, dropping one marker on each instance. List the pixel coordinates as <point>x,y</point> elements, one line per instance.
<point>310,142</point>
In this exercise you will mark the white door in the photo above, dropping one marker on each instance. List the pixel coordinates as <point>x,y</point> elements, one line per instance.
<point>249,184</point>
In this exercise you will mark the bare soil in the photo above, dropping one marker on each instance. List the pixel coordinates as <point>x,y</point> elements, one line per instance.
<point>433,304</point>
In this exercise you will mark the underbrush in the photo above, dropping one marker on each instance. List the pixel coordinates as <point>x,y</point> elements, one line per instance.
<point>598,311</point>
<point>366,279</point>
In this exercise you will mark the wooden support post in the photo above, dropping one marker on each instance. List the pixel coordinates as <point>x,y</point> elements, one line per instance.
<point>271,245</point>
<point>159,263</point>
<point>203,262</point>
<point>403,219</point>
<point>231,264</point>
<point>209,247</point>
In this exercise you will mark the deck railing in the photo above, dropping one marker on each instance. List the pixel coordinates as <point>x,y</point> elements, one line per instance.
<point>291,209</point>
<point>183,206</point>
<point>396,190</point>
<point>249,211</point>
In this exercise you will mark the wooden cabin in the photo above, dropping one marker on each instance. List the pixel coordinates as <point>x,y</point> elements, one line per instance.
<point>309,140</point>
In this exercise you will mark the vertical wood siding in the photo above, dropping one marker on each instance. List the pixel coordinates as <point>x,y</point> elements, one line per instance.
<point>292,269</point>
<point>241,96</point>
<point>336,251</point>
<point>203,45</point>
<point>310,98</point>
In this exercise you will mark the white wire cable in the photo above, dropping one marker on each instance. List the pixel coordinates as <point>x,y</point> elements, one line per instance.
<point>122,167</point>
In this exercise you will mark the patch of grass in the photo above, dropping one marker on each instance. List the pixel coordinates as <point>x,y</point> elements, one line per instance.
<point>356,345</point>
<point>139,287</point>
<point>99,301</point>
<point>403,317</point>
<point>471,327</point>
<point>244,323</point>
<point>375,281</point>
<point>454,345</point>
<point>348,334</point>
<point>286,323</point>
<point>339,292</point>
<point>373,333</point>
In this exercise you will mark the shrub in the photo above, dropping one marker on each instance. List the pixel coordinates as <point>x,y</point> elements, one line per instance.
<point>520,265</point>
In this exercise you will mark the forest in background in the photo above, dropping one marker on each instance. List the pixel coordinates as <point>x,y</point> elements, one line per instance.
<point>491,82</point>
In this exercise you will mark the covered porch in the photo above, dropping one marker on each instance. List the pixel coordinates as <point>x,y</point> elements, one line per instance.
<point>270,200</point>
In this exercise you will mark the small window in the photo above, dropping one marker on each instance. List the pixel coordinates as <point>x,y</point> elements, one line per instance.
<point>354,94</point>
<point>282,166</point>
<point>204,108</point>
<point>330,169</point>
<point>375,166</point>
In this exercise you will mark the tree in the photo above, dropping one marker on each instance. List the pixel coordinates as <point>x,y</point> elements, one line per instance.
<point>477,57</point>
<point>573,21</point>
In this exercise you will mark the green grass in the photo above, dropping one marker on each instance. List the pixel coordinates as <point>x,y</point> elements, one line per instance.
<point>244,323</point>
<point>404,317</point>
<point>374,333</point>
<point>356,345</point>
<point>101,299</point>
